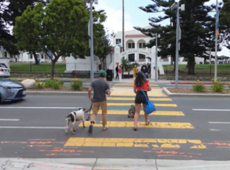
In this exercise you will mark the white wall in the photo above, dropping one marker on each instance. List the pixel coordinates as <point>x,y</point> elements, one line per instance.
<point>81,64</point>
<point>25,57</point>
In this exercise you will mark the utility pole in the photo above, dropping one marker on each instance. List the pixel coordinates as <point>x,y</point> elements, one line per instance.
<point>91,42</point>
<point>123,25</point>
<point>156,58</point>
<point>216,35</point>
<point>177,45</point>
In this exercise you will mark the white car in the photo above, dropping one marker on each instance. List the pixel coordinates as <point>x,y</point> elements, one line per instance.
<point>4,71</point>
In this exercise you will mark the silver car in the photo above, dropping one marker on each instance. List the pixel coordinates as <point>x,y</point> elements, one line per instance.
<point>4,71</point>
<point>11,90</point>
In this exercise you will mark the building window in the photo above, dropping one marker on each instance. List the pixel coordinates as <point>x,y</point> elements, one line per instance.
<point>142,45</point>
<point>131,45</point>
<point>131,57</point>
<point>141,58</point>
<point>31,56</point>
<point>118,41</point>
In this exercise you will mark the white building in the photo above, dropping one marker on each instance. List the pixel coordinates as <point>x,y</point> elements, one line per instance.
<point>26,57</point>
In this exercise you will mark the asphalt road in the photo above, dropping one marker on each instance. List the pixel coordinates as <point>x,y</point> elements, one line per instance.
<point>192,128</point>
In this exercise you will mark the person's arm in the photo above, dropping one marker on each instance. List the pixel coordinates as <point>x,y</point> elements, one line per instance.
<point>107,91</point>
<point>89,91</point>
<point>134,88</point>
<point>149,87</point>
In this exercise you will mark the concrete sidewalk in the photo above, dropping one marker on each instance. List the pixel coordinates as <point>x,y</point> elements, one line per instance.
<point>111,164</point>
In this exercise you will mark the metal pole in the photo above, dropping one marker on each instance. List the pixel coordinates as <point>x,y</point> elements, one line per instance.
<point>177,48</point>
<point>91,41</point>
<point>215,70</point>
<point>123,25</point>
<point>156,67</point>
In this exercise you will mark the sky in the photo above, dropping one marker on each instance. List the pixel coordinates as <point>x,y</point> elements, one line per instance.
<point>133,15</point>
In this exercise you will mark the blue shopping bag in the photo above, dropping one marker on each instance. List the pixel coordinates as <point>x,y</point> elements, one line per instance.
<point>150,107</point>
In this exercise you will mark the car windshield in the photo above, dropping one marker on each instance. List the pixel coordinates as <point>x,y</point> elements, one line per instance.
<point>3,65</point>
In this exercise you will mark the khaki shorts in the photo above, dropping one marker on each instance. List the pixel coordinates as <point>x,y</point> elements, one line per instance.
<point>97,105</point>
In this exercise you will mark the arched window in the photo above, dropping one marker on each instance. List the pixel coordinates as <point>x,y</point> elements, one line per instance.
<point>141,58</point>
<point>131,57</point>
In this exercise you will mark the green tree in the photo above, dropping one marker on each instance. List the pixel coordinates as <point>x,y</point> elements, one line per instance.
<point>225,24</point>
<point>28,30</point>
<point>195,25</point>
<point>61,29</point>
<point>9,11</point>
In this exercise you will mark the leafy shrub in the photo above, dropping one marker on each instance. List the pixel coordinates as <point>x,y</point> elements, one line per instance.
<point>61,82</point>
<point>39,85</point>
<point>54,84</point>
<point>76,85</point>
<point>199,88</point>
<point>217,87</point>
<point>49,83</point>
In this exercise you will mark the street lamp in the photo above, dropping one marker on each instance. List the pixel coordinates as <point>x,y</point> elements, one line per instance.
<point>176,6</point>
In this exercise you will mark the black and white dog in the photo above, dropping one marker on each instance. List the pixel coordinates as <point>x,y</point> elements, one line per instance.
<point>78,115</point>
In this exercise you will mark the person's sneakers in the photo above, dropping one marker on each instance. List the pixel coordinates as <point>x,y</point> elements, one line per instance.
<point>90,129</point>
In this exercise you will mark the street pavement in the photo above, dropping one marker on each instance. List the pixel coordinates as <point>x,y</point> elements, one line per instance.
<point>182,128</point>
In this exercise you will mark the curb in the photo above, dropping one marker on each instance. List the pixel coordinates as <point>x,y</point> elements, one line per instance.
<point>167,92</point>
<point>56,92</point>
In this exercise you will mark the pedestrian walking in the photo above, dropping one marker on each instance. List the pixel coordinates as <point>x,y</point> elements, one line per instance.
<point>100,88</point>
<point>140,83</point>
<point>144,70</point>
<point>135,70</point>
<point>117,76</point>
<point>120,73</point>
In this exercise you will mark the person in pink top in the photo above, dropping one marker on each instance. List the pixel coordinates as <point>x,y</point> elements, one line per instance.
<point>120,72</point>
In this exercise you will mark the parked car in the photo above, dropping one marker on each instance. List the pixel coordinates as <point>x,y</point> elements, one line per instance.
<point>4,71</point>
<point>11,90</point>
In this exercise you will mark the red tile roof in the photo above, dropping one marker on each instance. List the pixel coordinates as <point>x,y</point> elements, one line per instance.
<point>135,36</point>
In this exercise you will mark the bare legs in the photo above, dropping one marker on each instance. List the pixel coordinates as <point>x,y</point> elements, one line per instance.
<point>137,112</point>
<point>136,116</point>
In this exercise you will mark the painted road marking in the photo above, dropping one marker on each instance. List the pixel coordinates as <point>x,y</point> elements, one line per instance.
<point>31,127</point>
<point>212,110</point>
<point>133,94</point>
<point>121,90</point>
<point>10,120</point>
<point>157,113</point>
<point>120,87</point>
<point>223,123</point>
<point>133,142</point>
<point>129,104</point>
<point>130,87</point>
<point>40,108</point>
<point>152,99</point>
<point>123,124</point>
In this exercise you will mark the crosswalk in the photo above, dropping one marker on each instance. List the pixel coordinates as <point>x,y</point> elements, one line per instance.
<point>122,97</point>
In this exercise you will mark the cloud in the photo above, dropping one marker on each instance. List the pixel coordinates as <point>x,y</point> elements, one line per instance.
<point>114,18</point>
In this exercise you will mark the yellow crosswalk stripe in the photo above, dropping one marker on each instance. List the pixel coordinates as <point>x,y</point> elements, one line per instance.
<point>156,113</point>
<point>129,104</point>
<point>123,124</point>
<point>125,98</point>
<point>134,142</point>
<point>133,94</point>
<point>131,87</point>
<point>131,90</point>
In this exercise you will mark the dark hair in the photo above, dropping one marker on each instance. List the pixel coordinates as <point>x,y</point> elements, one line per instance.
<point>140,79</point>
